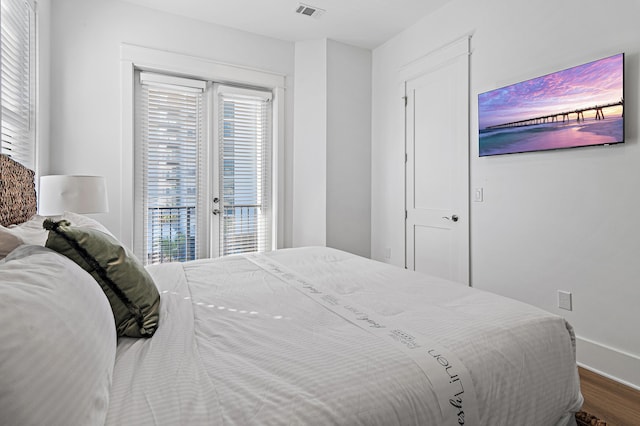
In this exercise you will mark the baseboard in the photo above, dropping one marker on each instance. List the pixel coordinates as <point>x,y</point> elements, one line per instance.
<point>609,362</point>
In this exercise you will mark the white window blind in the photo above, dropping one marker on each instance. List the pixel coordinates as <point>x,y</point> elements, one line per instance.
<point>244,139</point>
<point>171,130</point>
<point>17,80</point>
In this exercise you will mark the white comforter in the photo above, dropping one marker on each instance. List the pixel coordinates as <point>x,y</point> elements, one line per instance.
<point>241,345</point>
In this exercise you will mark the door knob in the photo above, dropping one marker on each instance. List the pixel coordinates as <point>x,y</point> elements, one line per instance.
<point>215,211</point>
<point>453,218</point>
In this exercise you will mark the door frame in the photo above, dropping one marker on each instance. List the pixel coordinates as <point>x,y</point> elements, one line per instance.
<point>134,57</point>
<point>413,70</point>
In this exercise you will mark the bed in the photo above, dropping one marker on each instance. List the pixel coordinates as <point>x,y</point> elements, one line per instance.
<point>304,336</point>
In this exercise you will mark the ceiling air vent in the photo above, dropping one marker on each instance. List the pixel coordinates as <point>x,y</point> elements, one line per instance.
<point>304,9</point>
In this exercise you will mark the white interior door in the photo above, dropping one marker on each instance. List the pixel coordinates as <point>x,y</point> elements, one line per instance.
<point>437,168</point>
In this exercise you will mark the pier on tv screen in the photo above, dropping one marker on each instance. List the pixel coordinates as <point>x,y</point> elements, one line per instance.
<point>579,106</point>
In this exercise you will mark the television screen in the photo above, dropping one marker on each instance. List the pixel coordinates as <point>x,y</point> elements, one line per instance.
<point>579,106</point>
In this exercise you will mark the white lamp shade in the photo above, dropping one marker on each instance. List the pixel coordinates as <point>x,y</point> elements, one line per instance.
<point>78,194</point>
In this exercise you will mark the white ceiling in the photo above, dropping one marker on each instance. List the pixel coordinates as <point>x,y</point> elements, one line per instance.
<point>363,23</point>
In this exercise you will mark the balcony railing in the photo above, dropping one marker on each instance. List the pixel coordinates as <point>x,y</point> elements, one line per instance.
<point>171,234</point>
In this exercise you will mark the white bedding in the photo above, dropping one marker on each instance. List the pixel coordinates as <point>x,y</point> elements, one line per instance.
<point>241,345</point>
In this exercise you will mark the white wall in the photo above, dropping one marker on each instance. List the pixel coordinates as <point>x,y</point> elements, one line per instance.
<point>550,220</point>
<point>349,147</point>
<point>310,144</point>
<point>86,36</point>
<point>332,132</point>
<point>43,48</point>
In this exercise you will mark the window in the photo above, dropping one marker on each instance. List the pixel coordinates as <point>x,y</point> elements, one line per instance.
<point>244,145</point>
<point>201,192</point>
<point>17,81</point>
<point>171,133</point>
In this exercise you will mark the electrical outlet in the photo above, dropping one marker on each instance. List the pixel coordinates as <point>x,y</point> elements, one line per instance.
<point>564,300</point>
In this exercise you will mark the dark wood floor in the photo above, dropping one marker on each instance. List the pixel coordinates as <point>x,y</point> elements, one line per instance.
<point>615,403</point>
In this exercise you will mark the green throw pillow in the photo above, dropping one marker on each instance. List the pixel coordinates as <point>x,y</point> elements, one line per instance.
<point>133,295</point>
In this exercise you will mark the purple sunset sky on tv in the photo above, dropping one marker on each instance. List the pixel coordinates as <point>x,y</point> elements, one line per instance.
<point>594,83</point>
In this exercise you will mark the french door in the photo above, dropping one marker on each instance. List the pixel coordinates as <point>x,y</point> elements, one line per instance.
<point>203,169</point>
<point>242,200</point>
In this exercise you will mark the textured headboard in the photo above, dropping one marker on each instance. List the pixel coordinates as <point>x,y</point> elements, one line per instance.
<point>17,192</point>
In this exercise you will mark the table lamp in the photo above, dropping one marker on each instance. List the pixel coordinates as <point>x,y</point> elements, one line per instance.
<point>78,194</point>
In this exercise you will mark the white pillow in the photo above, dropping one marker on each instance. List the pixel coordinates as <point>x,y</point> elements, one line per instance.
<point>83,222</point>
<point>8,241</point>
<point>31,231</point>
<point>58,341</point>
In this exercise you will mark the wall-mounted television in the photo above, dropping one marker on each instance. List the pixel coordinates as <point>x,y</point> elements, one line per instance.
<point>578,106</point>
